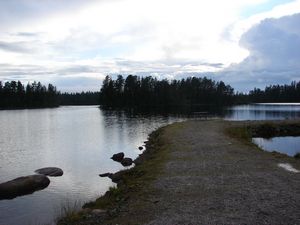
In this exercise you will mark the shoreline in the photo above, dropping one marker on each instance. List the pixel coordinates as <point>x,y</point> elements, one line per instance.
<point>137,199</point>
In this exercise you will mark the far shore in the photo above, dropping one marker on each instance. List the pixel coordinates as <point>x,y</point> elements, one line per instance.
<point>204,172</point>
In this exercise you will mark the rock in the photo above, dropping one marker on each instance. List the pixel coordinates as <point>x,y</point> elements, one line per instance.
<point>118,157</point>
<point>23,186</point>
<point>117,177</point>
<point>105,174</point>
<point>126,162</point>
<point>141,148</point>
<point>50,171</point>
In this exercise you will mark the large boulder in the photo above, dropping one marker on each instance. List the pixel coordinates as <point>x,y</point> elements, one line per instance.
<point>127,162</point>
<point>23,186</point>
<point>118,157</point>
<point>50,171</point>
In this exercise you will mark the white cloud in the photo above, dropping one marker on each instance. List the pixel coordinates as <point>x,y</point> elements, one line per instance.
<point>169,37</point>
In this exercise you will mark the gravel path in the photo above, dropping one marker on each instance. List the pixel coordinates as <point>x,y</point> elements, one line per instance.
<point>210,178</point>
<point>213,179</point>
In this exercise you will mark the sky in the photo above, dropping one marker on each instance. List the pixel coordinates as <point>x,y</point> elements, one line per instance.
<point>74,44</point>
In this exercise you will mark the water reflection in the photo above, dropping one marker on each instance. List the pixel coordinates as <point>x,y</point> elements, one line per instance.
<point>265,111</point>
<point>80,140</point>
<point>285,145</point>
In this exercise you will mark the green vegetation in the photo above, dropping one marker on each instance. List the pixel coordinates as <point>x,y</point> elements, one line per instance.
<point>243,133</point>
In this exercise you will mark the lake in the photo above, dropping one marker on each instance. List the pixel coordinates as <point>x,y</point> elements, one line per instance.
<point>263,111</point>
<point>286,145</point>
<point>81,140</point>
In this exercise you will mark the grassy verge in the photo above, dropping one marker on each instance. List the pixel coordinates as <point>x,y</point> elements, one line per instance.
<point>242,133</point>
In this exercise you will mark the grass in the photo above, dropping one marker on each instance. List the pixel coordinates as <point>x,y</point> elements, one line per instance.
<point>69,212</point>
<point>242,133</point>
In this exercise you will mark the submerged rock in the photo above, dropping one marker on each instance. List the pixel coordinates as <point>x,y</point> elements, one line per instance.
<point>23,186</point>
<point>117,177</point>
<point>118,157</point>
<point>127,162</point>
<point>106,175</point>
<point>50,171</point>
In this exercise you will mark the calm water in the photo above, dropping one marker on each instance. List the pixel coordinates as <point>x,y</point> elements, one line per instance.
<point>267,111</point>
<point>285,145</point>
<point>80,140</point>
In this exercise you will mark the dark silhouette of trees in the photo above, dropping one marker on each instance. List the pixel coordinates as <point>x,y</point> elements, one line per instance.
<point>146,92</point>
<point>13,94</point>
<point>83,98</point>
<point>276,93</point>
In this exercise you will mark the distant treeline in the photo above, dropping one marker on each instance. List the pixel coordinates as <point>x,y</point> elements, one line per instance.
<point>276,93</point>
<point>83,98</point>
<point>144,93</point>
<point>147,92</point>
<point>14,94</point>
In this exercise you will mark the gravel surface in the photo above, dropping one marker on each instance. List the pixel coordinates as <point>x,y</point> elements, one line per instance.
<point>210,178</point>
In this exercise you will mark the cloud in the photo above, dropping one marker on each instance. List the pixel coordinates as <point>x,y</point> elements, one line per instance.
<point>86,39</point>
<point>274,54</point>
<point>17,47</point>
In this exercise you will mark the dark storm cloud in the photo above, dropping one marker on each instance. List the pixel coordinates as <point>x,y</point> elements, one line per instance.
<point>274,55</point>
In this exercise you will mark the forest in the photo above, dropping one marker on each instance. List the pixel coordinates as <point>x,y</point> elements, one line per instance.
<point>82,98</point>
<point>144,93</point>
<point>13,94</point>
<point>276,93</point>
<point>149,92</point>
